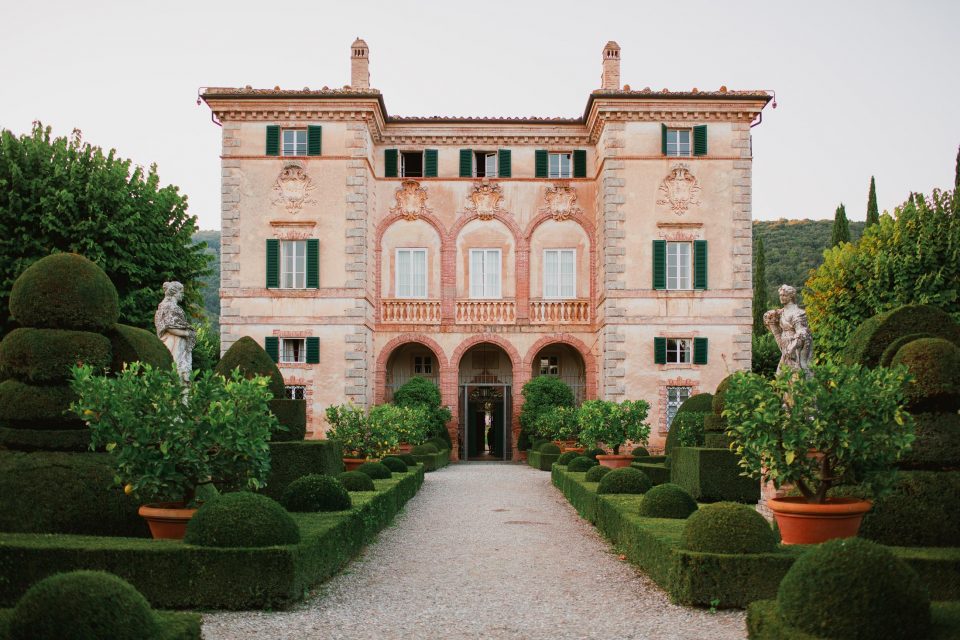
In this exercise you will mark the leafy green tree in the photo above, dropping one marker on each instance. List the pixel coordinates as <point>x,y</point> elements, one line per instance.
<point>841,228</point>
<point>910,258</point>
<point>64,195</point>
<point>873,214</point>
<point>760,300</point>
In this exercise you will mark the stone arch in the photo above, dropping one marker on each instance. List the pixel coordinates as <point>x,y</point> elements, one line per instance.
<point>588,228</point>
<point>380,372</point>
<point>590,363</point>
<point>506,218</point>
<point>493,338</point>
<point>381,230</point>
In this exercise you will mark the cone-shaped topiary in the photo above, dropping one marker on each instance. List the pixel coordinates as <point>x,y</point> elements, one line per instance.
<point>593,453</point>
<point>356,481</point>
<point>44,356</point>
<point>425,449</point>
<point>854,589</point>
<point>64,291</point>
<point>253,361</point>
<point>935,365</point>
<point>242,519</point>
<point>596,472</point>
<point>131,344</point>
<point>315,492</point>
<point>625,480</point>
<point>549,448</point>
<point>717,403</point>
<point>581,463</point>
<point>639,452</point>
<point>408,459</point>
<point>667,501</point>
<point>728,527</point>
<point>566,457</point>
<point>376,470</point>
<point>395,464</point>
<point>82,605</point>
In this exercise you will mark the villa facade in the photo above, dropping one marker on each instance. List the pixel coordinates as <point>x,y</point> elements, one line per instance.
<point>611,250</point>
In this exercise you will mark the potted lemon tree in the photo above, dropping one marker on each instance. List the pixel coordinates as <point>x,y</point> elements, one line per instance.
<point>842,424</point>
<point>612,424</point>
<point>365,438</point>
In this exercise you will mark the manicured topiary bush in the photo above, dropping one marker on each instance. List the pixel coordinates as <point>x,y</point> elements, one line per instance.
<point>937,443</point>
<point>639,451</point>
<point>395,464</point>
<point>356,481</point>
<point>868,342</point>
<point>376,470</point>
<point>894,346</point>
<point>687,429</point>
<point>242,519</point>
<point>728,527</point>
<point>596,472</point>
<point>252,360</point>
<point>132,344</point>
<point>44,356</point>
<point>83,605</point>
<point>581,463</point>
<point>549,448</point>
<point>408,459</point>
<point>667,501</point>
<point>540,395</point>
<point>439,443</point>
<point>856,589</point>
<point>593,453</point>
<point>718,402</point>
<point>935,366</point>
<point>28,406</point>
<point>292,416</point>
<point>699,403</point>
<point>424,394</point>
<point>64,291</point>
<point>567,456</point>
<point>315,492</point>
<point>425,449</point>
<point>625,480</point>
<point>537,443</point>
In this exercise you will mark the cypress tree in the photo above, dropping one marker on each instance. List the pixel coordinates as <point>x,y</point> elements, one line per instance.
<point>873,215</point>
<point>760,300</point>
<point>841,228</point>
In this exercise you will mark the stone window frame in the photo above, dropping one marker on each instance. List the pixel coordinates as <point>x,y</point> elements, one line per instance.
<point>662,386</point>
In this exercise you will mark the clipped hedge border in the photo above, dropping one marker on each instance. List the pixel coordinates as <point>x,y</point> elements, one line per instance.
<point>291,414</point>
<point>69,440</point>
<point>712,475</point>
<point>695,578</point>
<point>433,461</point>
<point>171,625</point>
<point>292,460</point>
<point>173,575</point>
<point>541,461</point>
<point>658,473</point>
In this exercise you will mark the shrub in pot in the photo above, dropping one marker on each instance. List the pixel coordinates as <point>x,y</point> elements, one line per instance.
<point>418,392</point>
<point>844,424</point>
<point>557,423</point>
<point>364,436</point>
<point>613,424</point>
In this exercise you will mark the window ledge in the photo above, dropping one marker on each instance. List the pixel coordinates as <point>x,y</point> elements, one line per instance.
<point>295,365</point>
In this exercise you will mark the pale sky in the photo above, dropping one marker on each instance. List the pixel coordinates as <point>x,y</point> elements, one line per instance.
<point>863,88</point>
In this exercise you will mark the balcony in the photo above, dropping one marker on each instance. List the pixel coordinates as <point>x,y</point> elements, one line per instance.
<point>486,312</point>
<point>560,311</point>
<point>404,311</point>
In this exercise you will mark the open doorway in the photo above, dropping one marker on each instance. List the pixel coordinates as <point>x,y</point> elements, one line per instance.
<point>485,396</point>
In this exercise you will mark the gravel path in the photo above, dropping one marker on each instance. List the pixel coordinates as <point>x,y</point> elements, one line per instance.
<point>485,550</point>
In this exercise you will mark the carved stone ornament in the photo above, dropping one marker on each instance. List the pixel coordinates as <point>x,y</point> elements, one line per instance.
<point>485,200</point>
<point>561,202</point>
<point>411,200</point>
<point>293,187</point>
<point>679,190</point>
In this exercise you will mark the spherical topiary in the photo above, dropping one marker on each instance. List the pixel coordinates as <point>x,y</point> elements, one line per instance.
<point>935,365</point>
<point>549,448</point>
<point>439,443</point>
<point>567,456</point>
<point>728,527</point>
<point>853,588</point>
<point>868,342</point>
<point>82,605</point>
<point>408,459</point>
<point>593,453</point>
<point>64,291</point>
<point>625,480</point>
<point>356,481</point>
<point>639,452</point>
<point>667,501</point>
<point>395,464</point>
<point>42,356</point>
<point>132,344</point>
<point>718,402</point>
<point>376,470</point>
<point>537,443</point>
<point>894,346</point>
<point>596,472</point>
<point>425,449</point>
<point>242,519</point>
<point>252,360</point>
<point>581,463</point>
<point>700,403</point>
<point>315,492</point>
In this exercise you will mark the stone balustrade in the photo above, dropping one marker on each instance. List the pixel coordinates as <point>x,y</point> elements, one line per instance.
<point>486,311</point>
<point>560,311</point>
<point>403,311</point>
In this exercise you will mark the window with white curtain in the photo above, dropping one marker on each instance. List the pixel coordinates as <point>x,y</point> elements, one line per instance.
<point>679,265</point>
<point>560,165</point>
<point>560,273</point>
<point>411,273</point>
<point>485,273</point>
<point>293,258</point>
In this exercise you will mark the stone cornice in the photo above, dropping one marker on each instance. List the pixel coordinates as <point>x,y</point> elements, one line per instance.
<point>672,112</point>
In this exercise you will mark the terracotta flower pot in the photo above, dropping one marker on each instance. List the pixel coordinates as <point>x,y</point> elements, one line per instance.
<point>403,447</point>
<point>575,449</point>
<point>351,464</point>
<point>167,520</point>
<point>801,522</point>
<point>614,462</point>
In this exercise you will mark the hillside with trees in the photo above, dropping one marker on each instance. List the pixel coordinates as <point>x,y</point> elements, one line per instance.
<point>210,284</point>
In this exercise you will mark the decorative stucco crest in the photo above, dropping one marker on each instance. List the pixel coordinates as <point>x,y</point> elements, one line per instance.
<point>679,189</point>
<point>484,200</point>
<point>411,200</point>
<point>293,187</point>
<point>561,202</point>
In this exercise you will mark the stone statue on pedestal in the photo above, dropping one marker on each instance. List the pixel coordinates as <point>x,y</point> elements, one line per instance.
<point>791,330</point>
<point>174,329</point>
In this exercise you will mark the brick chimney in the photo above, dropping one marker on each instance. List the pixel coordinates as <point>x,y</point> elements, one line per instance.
<point>610,79</point>
<point>360,65</point>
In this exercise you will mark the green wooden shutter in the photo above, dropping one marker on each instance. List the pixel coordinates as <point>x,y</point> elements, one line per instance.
<point>540,163</point>
<point>579,163</point>
<point>314,139</point>
<point>660,351</point>
<point>390,163</point>
<point>466,163</point>
<point>273,140</point>
<point>699,351</point>
<point>663,139</point>
<point>273,263</point>
<point>271,344</point>
<point>659,264</point>
<point>700,140</point>
<point>430,163</point>
<point>504,163</point>
<point>313,263</point>
<point>313,350</point>
<point>699,264</point>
